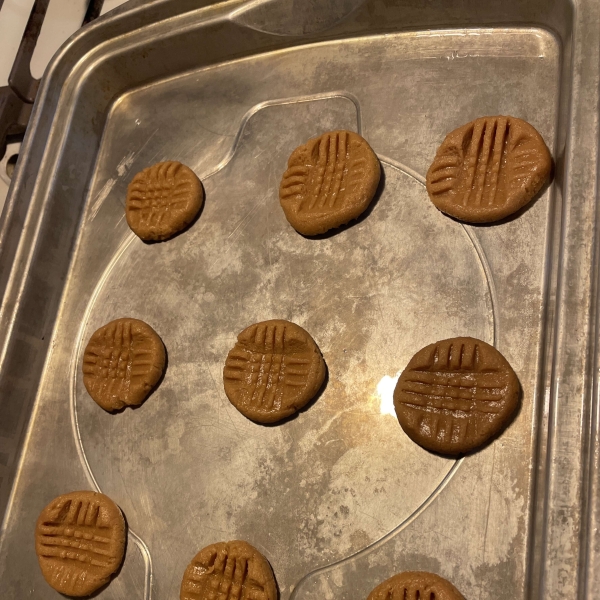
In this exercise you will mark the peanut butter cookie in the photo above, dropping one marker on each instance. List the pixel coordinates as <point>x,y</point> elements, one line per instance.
<point>122,363</point>
<point>162,200</point>
<point>274,369</point>
<point>415,585</point>
<point>455,395</point>
<point>228,571</point>
<point>80,542</point>
<point>488,169</point>
<point>330,180</point>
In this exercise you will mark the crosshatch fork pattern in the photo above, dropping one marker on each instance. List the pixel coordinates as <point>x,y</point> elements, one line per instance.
<point>267,370</point>
<point>114,361</point>
<point>123,360</point>
<point>488,168</point>
<point>455,391</point>
<point>110,358</point>
<point>410,594</point>
<point>158,190</point>
<point>453,382</point>
<point>330,180</point>
<point>415,585</point>
<point>80,533</point>
<point>333,178</point>
<point>223,577</point>
<point>483,162</point>
<point>228,571</point>
<point>80,540</point>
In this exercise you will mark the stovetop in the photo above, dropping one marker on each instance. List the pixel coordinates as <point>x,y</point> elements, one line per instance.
<point>31,31</point>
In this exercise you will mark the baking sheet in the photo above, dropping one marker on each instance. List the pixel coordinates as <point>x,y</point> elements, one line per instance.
<point>337,498</point>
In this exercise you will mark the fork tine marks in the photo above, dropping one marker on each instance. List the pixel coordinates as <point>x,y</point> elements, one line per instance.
<point>294,190</point>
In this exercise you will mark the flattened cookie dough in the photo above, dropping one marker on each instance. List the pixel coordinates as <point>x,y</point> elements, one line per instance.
<point>330,180</point>
<point>274,369</point>
<point>488,169</point>
<point>162,200</point>
<point>232,570</point>
<point>80,542</point>
<point>455,395</point>
<point>122,363</point>
<point>415,585</point>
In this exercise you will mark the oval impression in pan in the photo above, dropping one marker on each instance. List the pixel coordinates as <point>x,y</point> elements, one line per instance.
<point>187,468</point>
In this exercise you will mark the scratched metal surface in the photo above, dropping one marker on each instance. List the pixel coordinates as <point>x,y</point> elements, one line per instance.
<point>337,498</point>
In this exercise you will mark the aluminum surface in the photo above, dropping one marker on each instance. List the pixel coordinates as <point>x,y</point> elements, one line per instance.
<point>337,498</point>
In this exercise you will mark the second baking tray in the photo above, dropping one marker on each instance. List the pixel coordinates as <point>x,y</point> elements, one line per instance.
<point>338,498</point>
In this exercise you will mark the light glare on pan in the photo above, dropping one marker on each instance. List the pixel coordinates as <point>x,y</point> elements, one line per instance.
<point>385,392</point>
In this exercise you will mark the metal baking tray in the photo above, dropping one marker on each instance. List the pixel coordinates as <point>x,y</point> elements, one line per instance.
<point>338,498</point>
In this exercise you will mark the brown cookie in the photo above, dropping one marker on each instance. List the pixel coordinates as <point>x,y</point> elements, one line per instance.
<point>228,571</point>
<point>455,395</point>
<point>80,542</point>
<point>415,585</point>
<point>162,200</point>
<point>274,369</point>
<point>488,169</point>
<point>122,363</point>
<point>330,180</point>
